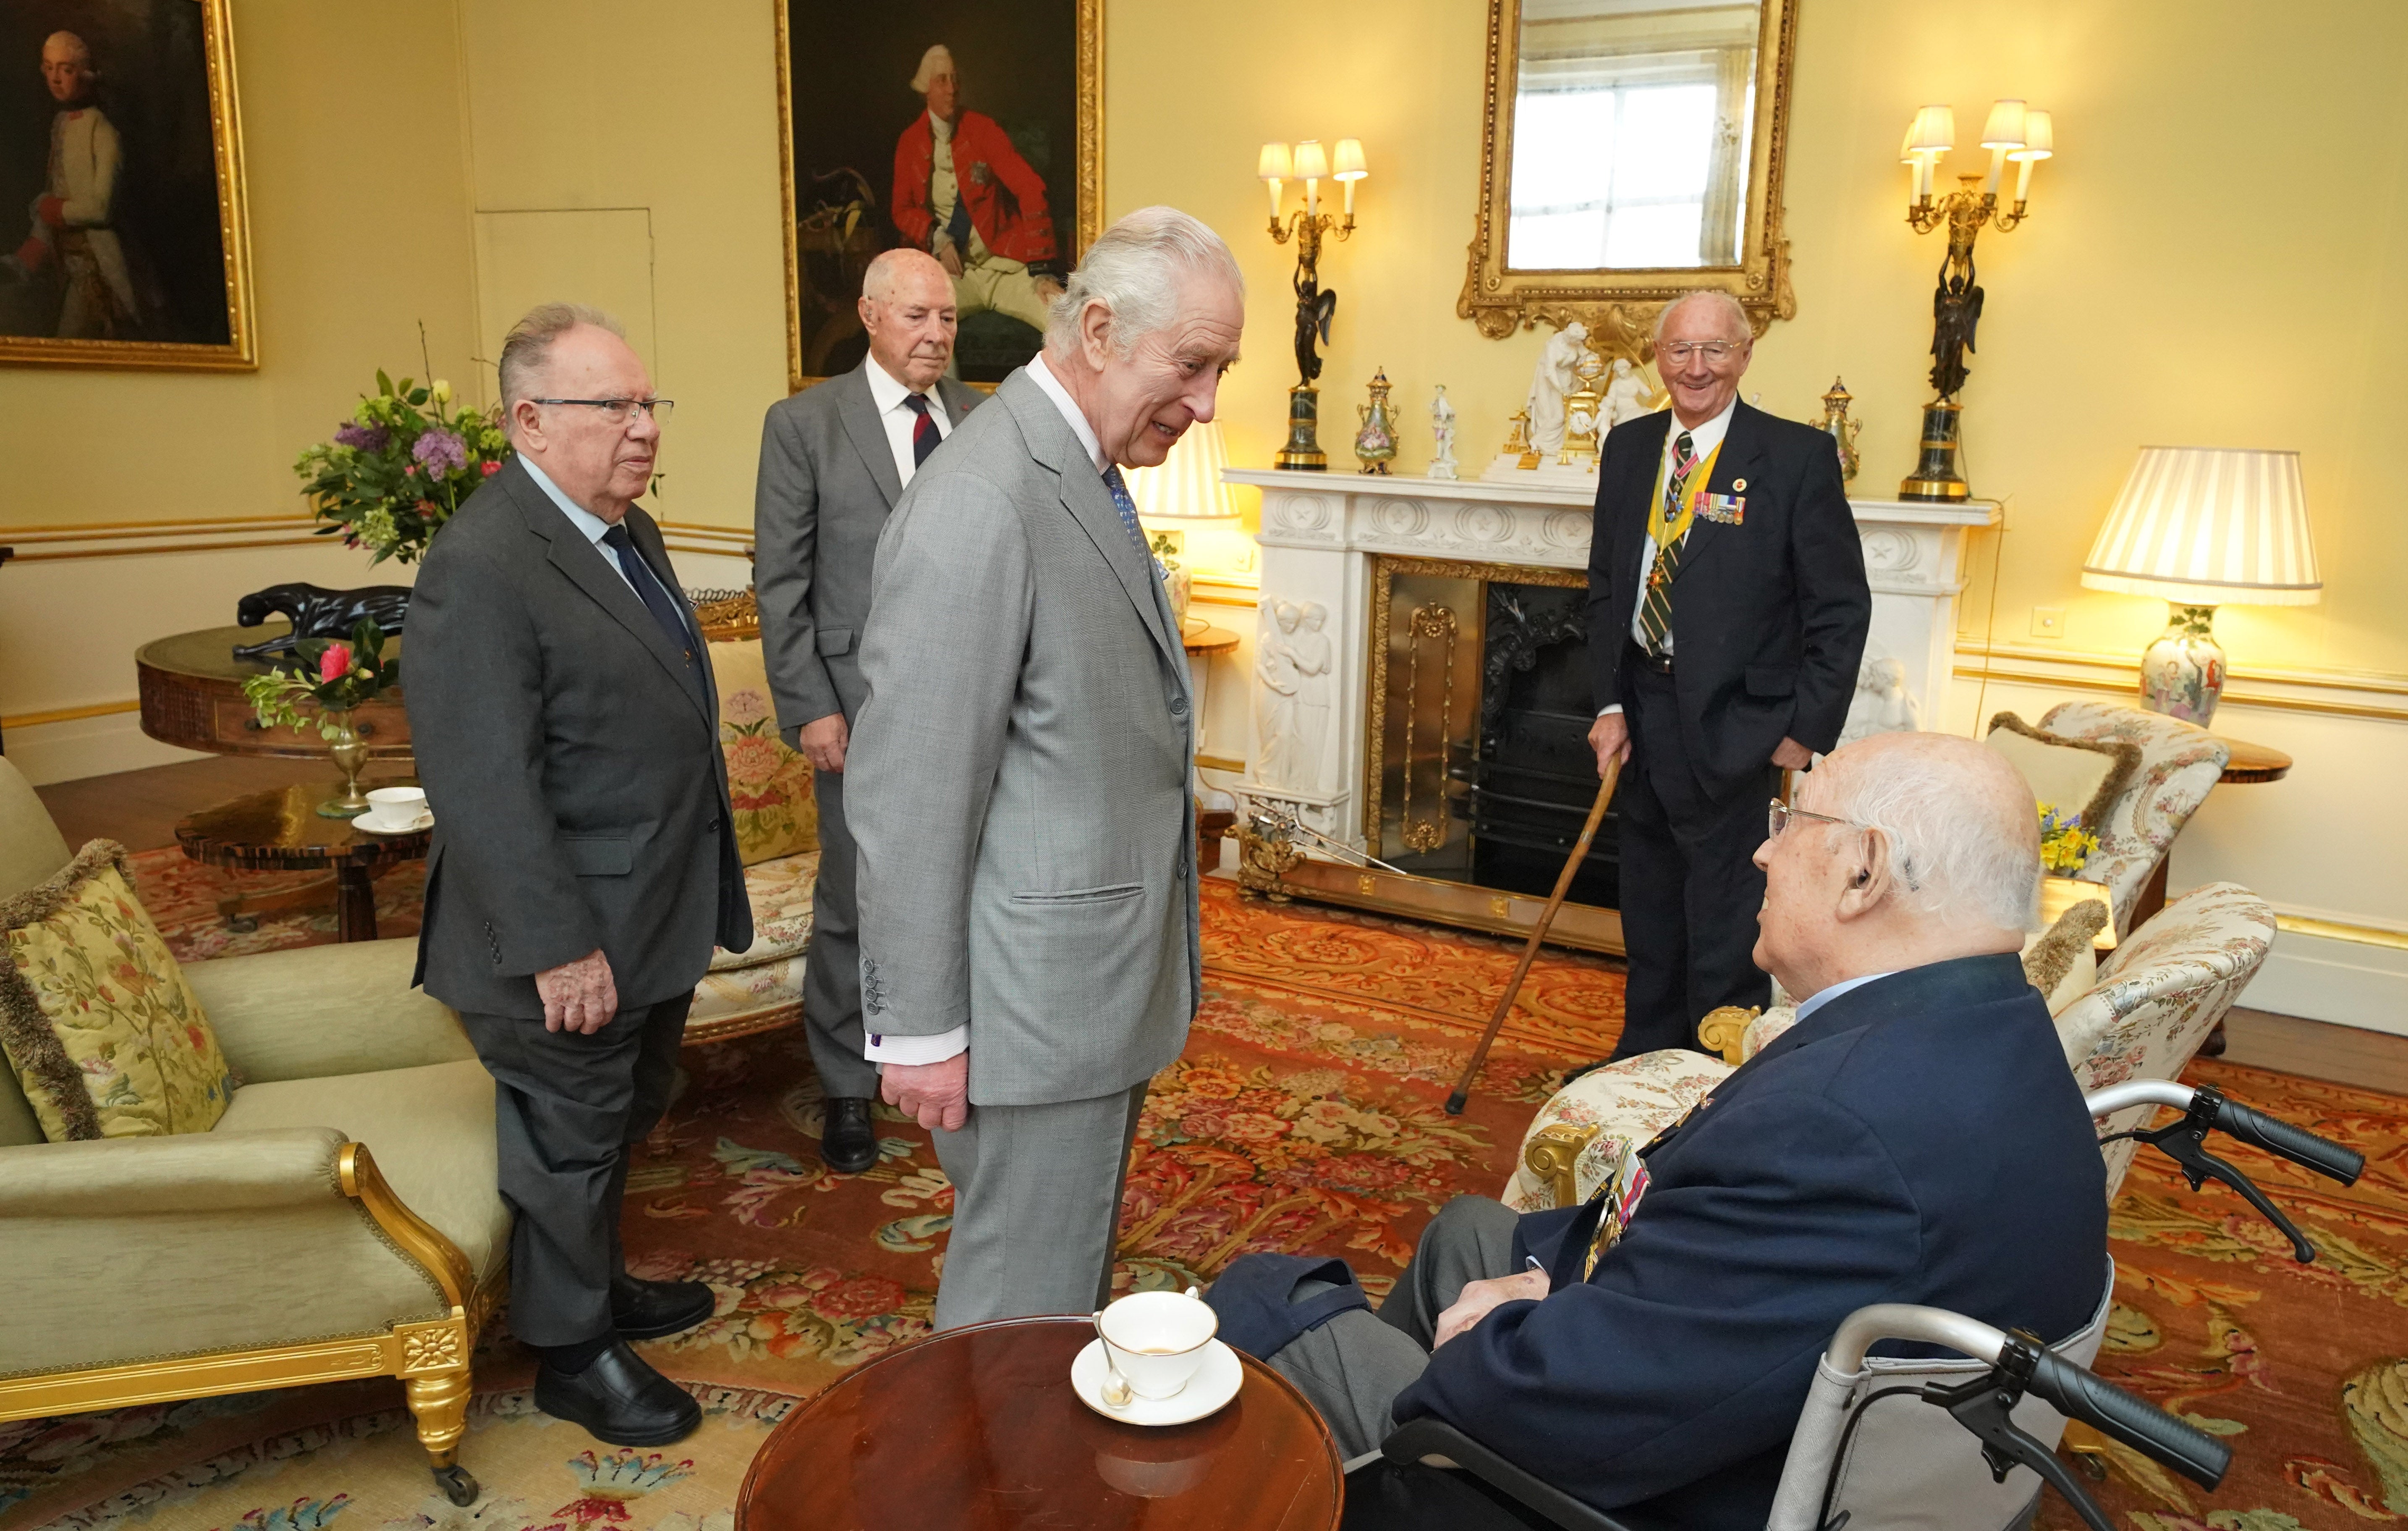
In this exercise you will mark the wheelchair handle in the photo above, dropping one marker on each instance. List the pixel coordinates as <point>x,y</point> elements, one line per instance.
<point>2079,1394</point>
<point>2256,1128</point>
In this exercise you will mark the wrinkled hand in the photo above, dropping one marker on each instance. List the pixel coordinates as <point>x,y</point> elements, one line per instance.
<point>1793,756</point>
<point>1478,1298</point>
<point>579,996</point>
<point>1610,737</point>
<point>950,259</point>
<point>822,741</point>
<point>933,1094</point>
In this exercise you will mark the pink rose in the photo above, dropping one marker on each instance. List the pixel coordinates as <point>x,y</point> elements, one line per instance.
<point>335,662</point>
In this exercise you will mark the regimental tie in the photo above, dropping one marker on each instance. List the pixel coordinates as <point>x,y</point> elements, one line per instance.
<point>1656,608</point>
<point>924,430</point>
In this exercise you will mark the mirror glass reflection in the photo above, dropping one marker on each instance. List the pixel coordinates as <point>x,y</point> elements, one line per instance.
<point>1631,126</point>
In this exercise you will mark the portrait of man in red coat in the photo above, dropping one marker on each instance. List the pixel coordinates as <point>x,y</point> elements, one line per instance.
<point>966,196</point>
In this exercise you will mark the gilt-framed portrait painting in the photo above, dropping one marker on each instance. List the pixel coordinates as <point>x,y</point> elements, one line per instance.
<point>966,128</point>
<point>122,232</point>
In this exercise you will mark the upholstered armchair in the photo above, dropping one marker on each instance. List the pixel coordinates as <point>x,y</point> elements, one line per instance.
<point>275,1250</point>
<point>2154,1003</point>
<point>2180,763</point>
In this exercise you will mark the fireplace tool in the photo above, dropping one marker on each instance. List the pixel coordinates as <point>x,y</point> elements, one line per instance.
<point>1456,1101</point>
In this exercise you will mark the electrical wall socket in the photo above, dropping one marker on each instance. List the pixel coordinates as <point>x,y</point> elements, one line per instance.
<point>2048,622</point>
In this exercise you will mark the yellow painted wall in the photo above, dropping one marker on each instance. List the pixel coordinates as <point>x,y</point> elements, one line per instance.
<point>2229,183</point>
<point>358,188</point>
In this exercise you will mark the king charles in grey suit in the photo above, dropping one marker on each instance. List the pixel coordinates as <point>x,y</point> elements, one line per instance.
<point>1029,951</point>
<point>834,461</point>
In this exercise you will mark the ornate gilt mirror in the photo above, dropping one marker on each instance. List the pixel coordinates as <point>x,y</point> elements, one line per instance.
<point>1633,152</point>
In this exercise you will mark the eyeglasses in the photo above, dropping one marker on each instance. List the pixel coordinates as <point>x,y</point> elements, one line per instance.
<point>621,410</point>
<point>1678,352</point>
<point>1778,819</point>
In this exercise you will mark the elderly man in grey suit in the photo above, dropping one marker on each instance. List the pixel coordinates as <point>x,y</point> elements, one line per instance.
<point>1019,777</point>
<point>585,858</point>
<point>834,461</point>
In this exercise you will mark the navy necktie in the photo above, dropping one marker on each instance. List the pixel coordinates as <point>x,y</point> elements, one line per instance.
<point>1127,507</point>
<point>648,587</point>
<point>924,430</point>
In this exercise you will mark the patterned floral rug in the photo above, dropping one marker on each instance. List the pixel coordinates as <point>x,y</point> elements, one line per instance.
<point>1306,1117</point>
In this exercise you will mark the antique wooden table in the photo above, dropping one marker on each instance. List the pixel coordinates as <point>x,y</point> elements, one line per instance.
<point>191,686</point>
<point>283,831</point>
<point>977,1429</point>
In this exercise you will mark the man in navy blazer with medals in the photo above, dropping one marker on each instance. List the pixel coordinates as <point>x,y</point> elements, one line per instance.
<point>585,861</point>
<point>1727,614</point>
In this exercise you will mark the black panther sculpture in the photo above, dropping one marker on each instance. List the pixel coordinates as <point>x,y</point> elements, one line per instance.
<point>316,613</point>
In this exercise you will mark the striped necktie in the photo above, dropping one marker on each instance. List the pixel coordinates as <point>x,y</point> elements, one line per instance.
<point>1655,610</point>
<point>925,437</point>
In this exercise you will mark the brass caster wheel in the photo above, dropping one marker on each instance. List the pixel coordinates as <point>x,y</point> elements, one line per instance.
<point>457,1485</point>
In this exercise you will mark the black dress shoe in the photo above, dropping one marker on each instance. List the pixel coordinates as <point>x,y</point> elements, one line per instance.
<point>847,1144</point>
<point>619,1398</point>
<point>650,1310</point>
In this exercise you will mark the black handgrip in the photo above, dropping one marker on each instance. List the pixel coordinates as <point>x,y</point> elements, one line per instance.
<point>2297,1143</point>
<point>2145,1427</point>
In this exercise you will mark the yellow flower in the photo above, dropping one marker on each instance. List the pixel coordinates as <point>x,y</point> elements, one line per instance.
<point>442,392</point>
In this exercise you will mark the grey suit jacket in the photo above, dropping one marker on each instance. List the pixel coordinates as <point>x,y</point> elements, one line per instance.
<point>580,795</point>
<point>827,483</point>
<point>1017,781</point>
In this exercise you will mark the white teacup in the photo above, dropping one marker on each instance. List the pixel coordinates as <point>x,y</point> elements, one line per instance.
<point>1157,1339</point>
<point>396,808</point>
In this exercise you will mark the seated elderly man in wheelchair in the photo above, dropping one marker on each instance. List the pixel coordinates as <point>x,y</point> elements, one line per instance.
<point>1915,1137</point>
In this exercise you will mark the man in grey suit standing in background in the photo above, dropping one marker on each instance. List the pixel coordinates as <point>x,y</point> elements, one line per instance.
<point>584,860</point>
<point>834,461</point>
<point>1029,950</point>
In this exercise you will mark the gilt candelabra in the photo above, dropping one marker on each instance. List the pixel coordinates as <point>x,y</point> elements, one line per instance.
<point>2013,132</point>
<point>1316,305</point>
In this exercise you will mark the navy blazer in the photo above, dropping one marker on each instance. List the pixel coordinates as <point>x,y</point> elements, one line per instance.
<point>1919,1139</point>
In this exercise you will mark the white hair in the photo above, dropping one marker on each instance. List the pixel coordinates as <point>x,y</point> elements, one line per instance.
<point>1730,307</point>
<point>529,345</point>
<point>937,60</point>
<point>1951,858</point>
<point>1135,269</point>
<point>82,50</point>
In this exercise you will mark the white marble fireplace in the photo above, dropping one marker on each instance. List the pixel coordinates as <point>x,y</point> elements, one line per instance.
<point>1321,532</point>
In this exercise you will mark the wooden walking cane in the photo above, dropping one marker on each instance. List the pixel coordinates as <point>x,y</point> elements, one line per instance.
<point>1456,1101</point>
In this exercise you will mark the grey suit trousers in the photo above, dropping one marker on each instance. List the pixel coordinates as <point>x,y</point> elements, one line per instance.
<point>1036,1205</point>
<point>566,1109</point>
<point>832,970</point>
<point>1354,1366</point>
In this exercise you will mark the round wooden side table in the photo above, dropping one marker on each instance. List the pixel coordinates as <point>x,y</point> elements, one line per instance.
<point>977,1429</point>
<point>283,831</point>
<point>191,686</point>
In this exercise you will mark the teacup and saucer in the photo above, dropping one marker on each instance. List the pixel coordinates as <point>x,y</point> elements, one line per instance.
<point>1156,1361</point>
<point>396,810</point>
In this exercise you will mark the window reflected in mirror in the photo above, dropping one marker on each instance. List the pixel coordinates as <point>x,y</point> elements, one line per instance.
<point>1630,140</point>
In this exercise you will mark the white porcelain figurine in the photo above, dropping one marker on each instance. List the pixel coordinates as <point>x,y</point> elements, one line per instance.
<point>1442,426</point>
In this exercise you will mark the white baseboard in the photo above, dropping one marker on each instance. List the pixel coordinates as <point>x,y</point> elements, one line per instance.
<point>89,746</point>
<point>2346,983</point>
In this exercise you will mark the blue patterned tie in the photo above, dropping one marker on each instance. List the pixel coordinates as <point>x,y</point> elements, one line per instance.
<point>1127,507</point>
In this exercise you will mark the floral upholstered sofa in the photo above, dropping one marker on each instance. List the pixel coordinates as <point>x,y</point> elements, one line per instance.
<point>759,988</point>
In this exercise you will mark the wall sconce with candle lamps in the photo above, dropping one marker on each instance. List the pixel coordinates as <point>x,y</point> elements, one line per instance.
<point>2012,132</point>
<point>1309,162</point>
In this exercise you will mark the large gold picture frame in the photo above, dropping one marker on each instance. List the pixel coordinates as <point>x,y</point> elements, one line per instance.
<point>155,78</point>
<point>810,232</point>
<point>1619,307</point>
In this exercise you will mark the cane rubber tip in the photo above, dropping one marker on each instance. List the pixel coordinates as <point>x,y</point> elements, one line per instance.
<point>1456,1103</point>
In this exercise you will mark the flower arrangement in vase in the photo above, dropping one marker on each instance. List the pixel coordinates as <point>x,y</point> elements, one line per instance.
<point>2064,843</point>
<point>401,467</point>
<point>336,677</point>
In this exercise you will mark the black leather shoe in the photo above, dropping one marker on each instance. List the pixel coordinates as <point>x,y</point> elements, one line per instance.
<point>847,1143</point>
<point>650,1310</point>
<point>620,1399</point>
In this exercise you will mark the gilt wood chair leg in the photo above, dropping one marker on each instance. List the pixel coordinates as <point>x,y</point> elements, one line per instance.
<point>439,1405</point>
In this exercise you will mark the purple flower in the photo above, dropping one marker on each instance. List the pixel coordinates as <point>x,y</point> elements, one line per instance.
<point>442,451</point>
<point>367,437</point>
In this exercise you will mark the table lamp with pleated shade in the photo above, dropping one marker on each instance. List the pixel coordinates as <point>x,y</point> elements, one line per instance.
<point>1187,486</point>
<point>2201,527</point>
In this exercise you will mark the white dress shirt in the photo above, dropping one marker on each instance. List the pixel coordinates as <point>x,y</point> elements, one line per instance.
<point>1703,439</point>
<point>1824,996</point>
<point>877,1046</point>
<point>585,521</point>
<point>889,393</point>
